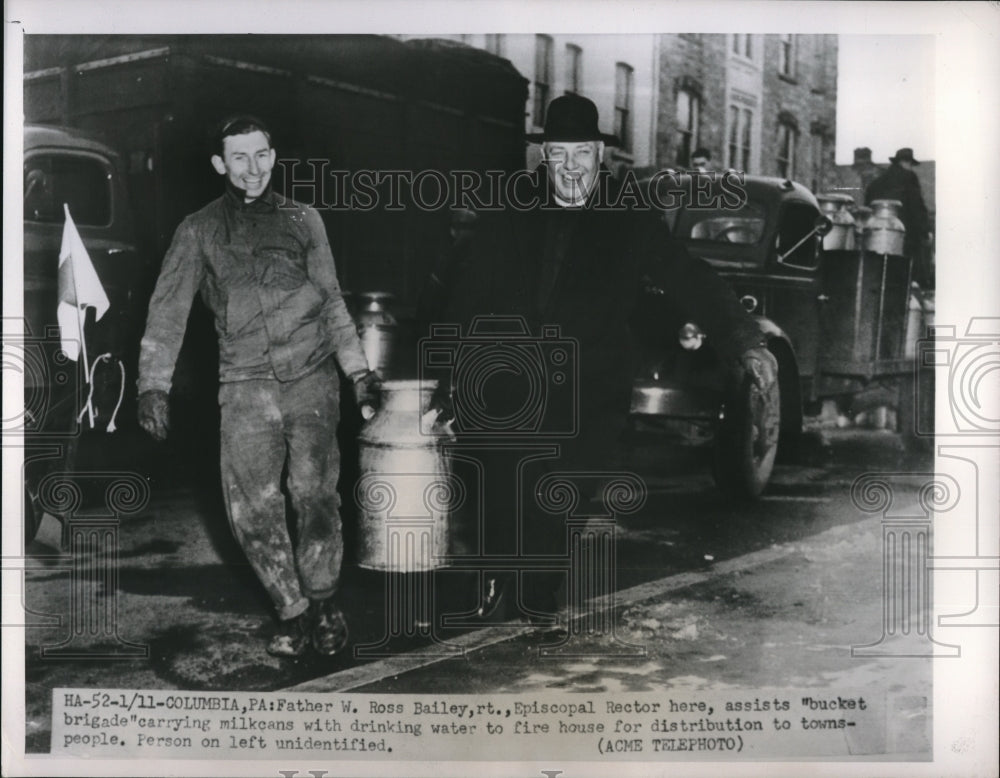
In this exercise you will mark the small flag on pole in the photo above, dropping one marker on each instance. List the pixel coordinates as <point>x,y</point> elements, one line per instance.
<point>79,287</point>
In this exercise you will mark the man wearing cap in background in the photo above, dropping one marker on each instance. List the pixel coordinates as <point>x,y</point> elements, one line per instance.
<point>900,182</point>
<point>264,268</point>
<point>557,256</point>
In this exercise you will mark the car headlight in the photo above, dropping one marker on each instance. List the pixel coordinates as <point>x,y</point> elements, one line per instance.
<point>690,337</point>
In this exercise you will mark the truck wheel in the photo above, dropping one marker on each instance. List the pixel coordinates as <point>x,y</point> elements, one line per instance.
<point>747,441</point>
<point>915,411</point>
<point>32,517</point>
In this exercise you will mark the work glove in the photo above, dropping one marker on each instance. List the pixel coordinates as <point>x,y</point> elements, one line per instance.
<point>761,366</point>
<point>368,392</point>
<point>442,403</point>
<point>154,414</point>
<point>440,413</point>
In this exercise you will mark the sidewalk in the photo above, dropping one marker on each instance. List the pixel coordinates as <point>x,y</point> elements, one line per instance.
<point>713,597</point>
<point>785,616</point>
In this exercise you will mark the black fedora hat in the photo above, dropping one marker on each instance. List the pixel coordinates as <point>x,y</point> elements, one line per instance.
<point>571,118</point>
<point>904,155</point>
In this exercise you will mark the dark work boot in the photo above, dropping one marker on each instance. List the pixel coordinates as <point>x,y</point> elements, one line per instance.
<point>493,598</point>
<point>329,628</point>
<point>291,638</point>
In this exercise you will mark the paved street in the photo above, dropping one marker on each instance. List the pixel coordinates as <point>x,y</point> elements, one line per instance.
<point>708,595</point>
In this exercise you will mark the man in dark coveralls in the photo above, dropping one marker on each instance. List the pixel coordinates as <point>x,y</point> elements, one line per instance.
<point>560,256</point>
<point>264,267</point>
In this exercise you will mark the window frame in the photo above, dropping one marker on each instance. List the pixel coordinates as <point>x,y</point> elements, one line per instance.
<point>739,145</point>
<point>787,55</point>
<point>623,109</point>
<point>786,144</point>
<point>817,150</point>
<point>77,154</point>
<point>746,137</point>
<point>542,89</point>
<point>689,137</point>
<point>574,69</point>
<point>493,42</point>
<point>742,45</point>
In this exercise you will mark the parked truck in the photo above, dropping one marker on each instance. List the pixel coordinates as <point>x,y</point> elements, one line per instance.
<point>832,306</point>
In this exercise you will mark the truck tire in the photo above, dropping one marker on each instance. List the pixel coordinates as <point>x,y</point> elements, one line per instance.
<point>915,411</point>
<point>790,441</point>
<point>747,441</point>
<point>32,516</point>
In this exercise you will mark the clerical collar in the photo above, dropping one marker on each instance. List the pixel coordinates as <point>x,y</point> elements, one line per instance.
<point>567,204</point>
<point>237,198</point>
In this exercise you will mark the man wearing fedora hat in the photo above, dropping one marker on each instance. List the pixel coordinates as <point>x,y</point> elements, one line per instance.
<point>572,259</point>
<point>900,182</point>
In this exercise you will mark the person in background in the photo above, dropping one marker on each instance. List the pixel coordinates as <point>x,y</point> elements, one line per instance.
<point>264,268</point>
<point>448,263</point>
<point>701,160</point>
<point>900,182</point>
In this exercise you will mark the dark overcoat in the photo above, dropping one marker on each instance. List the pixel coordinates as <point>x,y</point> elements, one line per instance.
<point>609,255</point>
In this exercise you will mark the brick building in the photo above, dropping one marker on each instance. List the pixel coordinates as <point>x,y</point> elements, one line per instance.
<point>617,72</point>
<point>765,104</point>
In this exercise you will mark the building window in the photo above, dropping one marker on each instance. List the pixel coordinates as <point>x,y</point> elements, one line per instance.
<point>743,45</point>
<point>574,69</point>
<point>80,182</point>
<point>786,55</point>
<point>732,151</point>
<point>494,44</point>
<point>623,104</point>
<point>746,132</point>
<point>820,63</point>
<point>543,77</point>
<point>688,120</point>
<point>787,136</point>
<point>818,152</point>
<point>740,136</point>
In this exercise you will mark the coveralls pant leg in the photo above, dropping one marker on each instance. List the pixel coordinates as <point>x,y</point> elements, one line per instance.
<point>263,424</point>
<point>310,409</point>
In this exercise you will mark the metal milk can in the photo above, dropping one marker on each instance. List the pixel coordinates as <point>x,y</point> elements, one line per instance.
<point>405,493</point>
<point>835,208</point>
<point>884,232</point>
<point>377,328</point>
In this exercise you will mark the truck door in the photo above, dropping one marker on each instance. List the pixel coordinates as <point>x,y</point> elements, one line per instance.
<point>791,286</point>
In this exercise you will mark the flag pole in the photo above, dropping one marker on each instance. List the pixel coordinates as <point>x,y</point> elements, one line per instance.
<point>81,317</point>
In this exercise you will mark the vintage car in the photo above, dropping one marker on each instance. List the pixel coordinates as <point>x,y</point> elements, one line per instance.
<point>834,318</point>
<point>65,167</point>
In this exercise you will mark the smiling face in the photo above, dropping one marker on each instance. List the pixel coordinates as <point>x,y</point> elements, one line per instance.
<point>247,161</point>
<point>573,168</point>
